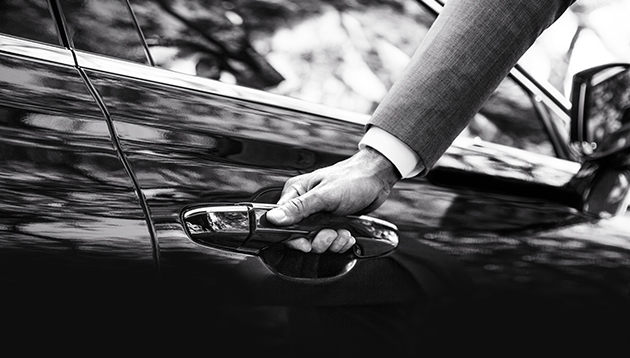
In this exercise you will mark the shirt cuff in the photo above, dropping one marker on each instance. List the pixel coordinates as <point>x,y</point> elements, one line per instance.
<point>404,158</point>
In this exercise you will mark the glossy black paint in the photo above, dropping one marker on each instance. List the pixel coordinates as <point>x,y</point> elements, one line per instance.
<point>494,249</point>
<point>508,217</point>
<point>72,229</point>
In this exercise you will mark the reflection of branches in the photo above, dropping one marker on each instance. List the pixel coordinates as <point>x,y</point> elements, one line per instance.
<point>167,7</point>
<point>27,18</point>
<point>244,53</point>
<point>193,45</point>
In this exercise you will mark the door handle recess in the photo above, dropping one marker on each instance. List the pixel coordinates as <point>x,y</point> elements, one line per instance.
<point>243,227</point>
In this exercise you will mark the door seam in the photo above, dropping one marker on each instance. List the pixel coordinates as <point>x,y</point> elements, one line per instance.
<point>66,40</point>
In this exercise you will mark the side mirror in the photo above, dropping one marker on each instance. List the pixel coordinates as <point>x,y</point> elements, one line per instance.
<point>600,133</point>
<point>600,98</point>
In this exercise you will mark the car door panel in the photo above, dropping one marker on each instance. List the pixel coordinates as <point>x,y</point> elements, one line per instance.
<point>192,141</point>
<point>71,224</point>
<point>494,224</point>
<point>492,241</point>
<point>189,148</point>
<point>192,146</point>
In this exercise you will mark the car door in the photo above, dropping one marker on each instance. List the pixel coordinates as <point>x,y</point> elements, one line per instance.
<point>497,219</point>
<point>504,214</point>
<point>73,235</point>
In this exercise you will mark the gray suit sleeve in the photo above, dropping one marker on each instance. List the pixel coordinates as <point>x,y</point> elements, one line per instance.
<point>468,51</point>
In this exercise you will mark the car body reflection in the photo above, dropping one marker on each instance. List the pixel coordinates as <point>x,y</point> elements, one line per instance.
<point>99,158</point>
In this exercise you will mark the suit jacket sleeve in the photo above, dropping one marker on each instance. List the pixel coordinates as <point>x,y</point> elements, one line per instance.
<point>468,51</point>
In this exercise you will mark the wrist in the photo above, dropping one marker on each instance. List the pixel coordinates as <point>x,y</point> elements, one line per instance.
<point>405,160</point>
<point>381,167</point>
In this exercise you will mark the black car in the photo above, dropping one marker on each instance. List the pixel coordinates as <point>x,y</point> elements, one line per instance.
<point>132,202</point>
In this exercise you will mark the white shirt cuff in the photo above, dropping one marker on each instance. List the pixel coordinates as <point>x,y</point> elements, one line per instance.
<point>404,158</point>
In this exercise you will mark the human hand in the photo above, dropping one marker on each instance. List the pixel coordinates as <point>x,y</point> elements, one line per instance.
<point>360,183</point>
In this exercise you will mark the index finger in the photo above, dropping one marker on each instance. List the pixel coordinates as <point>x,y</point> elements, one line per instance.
<point>287,194</point>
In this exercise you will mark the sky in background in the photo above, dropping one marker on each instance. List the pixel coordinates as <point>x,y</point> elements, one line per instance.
<point>604,37</point>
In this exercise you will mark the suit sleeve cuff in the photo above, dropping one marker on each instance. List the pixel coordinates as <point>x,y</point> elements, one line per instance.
<point>404,158</point>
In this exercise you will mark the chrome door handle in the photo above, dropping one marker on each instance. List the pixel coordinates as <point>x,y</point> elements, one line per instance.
<point>243,227</point>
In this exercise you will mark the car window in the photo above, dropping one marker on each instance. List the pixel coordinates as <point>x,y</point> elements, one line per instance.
<point>30,19</point>
<point>510,118</point>
<point>212,39</point>
<point>343,57</point>
<point>347,58</point>
<point>357,58</point>
<point>105,27</point>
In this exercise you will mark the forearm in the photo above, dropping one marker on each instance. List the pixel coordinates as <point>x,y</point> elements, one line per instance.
<point>468,51</point>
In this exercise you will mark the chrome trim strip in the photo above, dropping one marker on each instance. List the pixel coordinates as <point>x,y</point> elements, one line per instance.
<point>163,76</point>
<point>233,208</point>
<point>36,50</point>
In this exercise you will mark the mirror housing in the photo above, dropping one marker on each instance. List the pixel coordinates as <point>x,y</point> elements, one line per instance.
<point>600,98</point>
<point>600,134</point>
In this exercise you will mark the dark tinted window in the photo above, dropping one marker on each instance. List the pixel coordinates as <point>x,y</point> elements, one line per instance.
<point>104,27</point>
<point>29,19</point>
<point>212,39</point>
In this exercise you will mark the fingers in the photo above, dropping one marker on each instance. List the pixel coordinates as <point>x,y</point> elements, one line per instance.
<point>342,242</point>
<point>300,244</point>
<point>296,186</point>
<point>296,209</point>
<point>338,241</point>
<point>354,184</point>
<point>290,192</point>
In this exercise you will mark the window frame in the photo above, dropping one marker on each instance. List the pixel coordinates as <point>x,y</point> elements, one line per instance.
<point>545,99</point>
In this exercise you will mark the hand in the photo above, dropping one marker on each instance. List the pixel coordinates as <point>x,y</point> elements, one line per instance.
<point>360,183</point>
<point>338,241</point>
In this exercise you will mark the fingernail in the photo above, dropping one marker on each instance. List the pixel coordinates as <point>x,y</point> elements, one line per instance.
<point>276,215</point>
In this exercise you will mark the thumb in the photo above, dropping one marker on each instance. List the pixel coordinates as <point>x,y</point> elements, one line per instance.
<point>294,210</point>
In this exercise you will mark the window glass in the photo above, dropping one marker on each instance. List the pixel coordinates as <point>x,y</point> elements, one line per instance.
<point>332,53</point>
<point>29,19</point>
<point>104,27</point>
<point>347,59</point>
<point>510,118</point>
<point>337,53</point>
